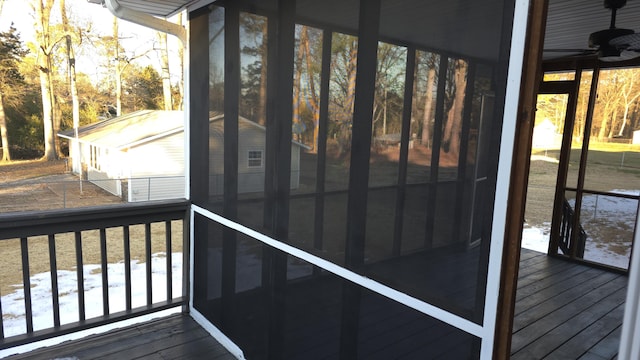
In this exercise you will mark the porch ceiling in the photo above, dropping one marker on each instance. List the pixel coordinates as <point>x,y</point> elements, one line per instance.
<point>569,23</point>
<point>161,8</point>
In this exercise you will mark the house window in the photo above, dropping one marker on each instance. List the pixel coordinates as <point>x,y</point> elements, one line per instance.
<point>94,154</point>
<point>254,159</point>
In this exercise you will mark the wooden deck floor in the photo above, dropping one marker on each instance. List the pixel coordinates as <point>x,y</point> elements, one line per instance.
<point>174,337</point>
<point>563,311</point>
<point>566,310</point>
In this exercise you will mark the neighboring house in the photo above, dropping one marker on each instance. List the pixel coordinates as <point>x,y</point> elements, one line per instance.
<point>140,156</point>
<point>251,156</point>
<point>545,136</point>
<point>636,137</point>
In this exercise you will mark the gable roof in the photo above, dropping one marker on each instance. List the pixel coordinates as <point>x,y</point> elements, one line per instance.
<point>143,126</point>
<point>129,130</point>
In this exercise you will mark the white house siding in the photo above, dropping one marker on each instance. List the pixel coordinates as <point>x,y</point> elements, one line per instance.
<point>157,169</point>
<point>102,180</point>
<point>84,156</point>
<point>156,188</point>
<point>250,179</point>
<point>295,166</point>
<point>74,152</point>
<point>216,159</point>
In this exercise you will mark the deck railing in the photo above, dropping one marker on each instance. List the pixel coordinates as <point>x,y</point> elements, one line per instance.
<point>65,241</point>
<point>566,229</point>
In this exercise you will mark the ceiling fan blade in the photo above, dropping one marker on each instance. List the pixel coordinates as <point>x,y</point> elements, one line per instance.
<point>629,42</point>
<point>570,50</point>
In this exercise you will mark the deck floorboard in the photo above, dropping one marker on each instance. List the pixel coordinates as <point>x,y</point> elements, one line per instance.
<point>175,337</point>
<point>563,310</point>
<point>566,310</point>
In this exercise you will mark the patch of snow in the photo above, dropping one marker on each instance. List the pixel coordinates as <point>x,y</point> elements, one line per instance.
<point>534,238</point>
<point>613,216</point>
<point>13,307</point>
<point>544,158</point>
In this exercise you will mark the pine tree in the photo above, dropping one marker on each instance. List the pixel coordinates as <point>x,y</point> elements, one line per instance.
<point>11,81</point>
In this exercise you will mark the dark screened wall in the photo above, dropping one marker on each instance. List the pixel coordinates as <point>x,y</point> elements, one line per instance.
<point>379,133</point>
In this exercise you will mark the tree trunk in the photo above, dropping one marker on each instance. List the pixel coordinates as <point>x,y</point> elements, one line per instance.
<point>47,111</point>
<point>43,12</point>
<point>604,122</point>
<point>613,122</point>
<point>181,60</point>
<point>351,73</point>
<point>6,153</point>
<point>313,100</point>
<point>261,116</point>
<point>627,106</point>
<point>166,79</point>
<point>451,141</point>
<point>345,128</point>
<point>118,68</point>
<point>414,124</point>
<point>297,93</point>
<point>75,101</point>
<point>428,101</point>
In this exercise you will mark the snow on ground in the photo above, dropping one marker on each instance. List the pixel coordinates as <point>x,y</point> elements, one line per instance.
<point>13,304</point>
<point>601,216</point>
<point>536,238</point>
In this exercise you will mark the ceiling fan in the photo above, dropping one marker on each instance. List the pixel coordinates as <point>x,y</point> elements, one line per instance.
<point>612,44</point>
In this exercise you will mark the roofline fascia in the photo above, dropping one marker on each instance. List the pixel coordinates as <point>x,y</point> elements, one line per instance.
<point>81,141</point>
<point>150,138</point>
<point>197,4</point>
<point>125,146</point>
<point>144,19</point>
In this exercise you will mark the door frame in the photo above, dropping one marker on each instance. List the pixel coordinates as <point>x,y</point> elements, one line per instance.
<point>529,89</point>
<point>517,194</point>
<point>570,88</point>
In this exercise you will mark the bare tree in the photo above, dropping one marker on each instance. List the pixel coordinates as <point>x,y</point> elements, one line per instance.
<point>73,89</point>
<point>122,60</point>
<point>629,93</point>
<point>608,95</point>
<point>119,67</point>
<point>344,59</point>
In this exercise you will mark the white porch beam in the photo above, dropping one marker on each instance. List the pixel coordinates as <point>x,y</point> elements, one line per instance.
<point>147,20</point>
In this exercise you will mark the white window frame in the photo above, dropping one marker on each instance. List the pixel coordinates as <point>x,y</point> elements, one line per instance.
<point>250,159</point>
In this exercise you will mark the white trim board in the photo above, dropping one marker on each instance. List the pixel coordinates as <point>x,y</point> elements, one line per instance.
<point>514,76</point>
